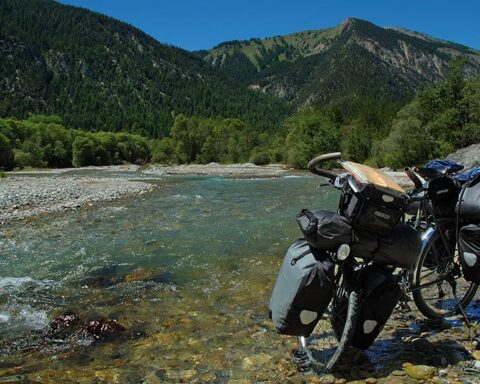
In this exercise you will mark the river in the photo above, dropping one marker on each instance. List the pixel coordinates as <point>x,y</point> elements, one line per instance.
<point>187,270</point>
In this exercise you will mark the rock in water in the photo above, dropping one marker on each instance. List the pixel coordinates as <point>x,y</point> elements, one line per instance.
<point>102,329</point>
<point>63,326</point>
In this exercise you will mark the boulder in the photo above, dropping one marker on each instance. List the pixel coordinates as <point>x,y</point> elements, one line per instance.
<point>469,156</point>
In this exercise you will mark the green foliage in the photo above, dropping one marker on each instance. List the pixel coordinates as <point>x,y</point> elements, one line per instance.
<point>83,151</point>
<point>47,119</point>
<point>260,158</point>
<point>52,145</point>
<point>6,153</point>
<point>201,140</point>
<point>164,151</point>
<point>3,175</point>
<point>310,133</point>
<point>440,119</point>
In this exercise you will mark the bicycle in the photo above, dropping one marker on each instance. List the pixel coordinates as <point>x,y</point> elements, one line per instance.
<point>437,263</point>
<point>437,283</point>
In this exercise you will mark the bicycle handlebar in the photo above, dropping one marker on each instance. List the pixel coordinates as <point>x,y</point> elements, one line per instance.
<point>313,165</point>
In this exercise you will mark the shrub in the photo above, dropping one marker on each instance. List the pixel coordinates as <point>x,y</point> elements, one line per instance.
<point>260,158</point>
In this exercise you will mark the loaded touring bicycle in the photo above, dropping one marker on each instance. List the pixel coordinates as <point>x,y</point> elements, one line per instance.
<point>340,283</point>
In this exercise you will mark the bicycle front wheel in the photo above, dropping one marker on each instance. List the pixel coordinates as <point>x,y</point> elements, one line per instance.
<point>334,332</point>
<point>439,288</point>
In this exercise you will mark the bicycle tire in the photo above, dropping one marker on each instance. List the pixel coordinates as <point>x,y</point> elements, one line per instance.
<point>431,260</point>
<point>327,356</point>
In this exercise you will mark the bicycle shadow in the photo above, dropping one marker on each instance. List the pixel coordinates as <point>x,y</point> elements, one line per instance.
<point>412,340</point>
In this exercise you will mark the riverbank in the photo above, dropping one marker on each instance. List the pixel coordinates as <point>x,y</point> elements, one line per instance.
<point>211,169</point>
<point>23,197</point>
<point>214,169</point>
<point>28,193</point>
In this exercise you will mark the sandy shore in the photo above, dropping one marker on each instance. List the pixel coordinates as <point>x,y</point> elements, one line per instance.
<point>23,197</point>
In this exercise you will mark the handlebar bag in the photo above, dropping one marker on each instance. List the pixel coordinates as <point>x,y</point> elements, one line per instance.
<point>469,201</point>
<point>469,245</point>
<point>303,290</point>
<point>372,208</point>
<point>324,229</point>
<point>401,248</point>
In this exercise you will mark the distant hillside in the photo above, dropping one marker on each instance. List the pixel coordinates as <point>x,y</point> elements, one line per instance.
<point>340,65</point>
<point>102,74</point>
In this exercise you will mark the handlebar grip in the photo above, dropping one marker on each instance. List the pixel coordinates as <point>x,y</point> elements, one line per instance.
<point>313,165</point>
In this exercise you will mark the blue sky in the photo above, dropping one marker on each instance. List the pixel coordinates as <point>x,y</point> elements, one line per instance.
<point>201,24</point>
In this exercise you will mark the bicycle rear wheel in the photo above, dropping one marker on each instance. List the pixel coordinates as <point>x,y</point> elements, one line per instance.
<point>439,287</point>
<point>334,332</point>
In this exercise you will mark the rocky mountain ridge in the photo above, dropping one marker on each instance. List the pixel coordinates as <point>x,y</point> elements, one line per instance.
<point>354,59</point>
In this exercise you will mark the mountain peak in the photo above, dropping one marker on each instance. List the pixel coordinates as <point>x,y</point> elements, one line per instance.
<point>352,23</point>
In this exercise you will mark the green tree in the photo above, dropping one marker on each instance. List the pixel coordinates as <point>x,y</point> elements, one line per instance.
<point>83,151</point>
<point>310,133</point>
<point>6,154</point>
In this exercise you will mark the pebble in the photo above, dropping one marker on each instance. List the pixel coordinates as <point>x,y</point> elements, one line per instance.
<point>255,361</point>
<point>328,379</point>
<point>398,373</point>
<point>420,372</point>
<point>476,355</point>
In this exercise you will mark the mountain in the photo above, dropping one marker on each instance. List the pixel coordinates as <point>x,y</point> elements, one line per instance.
<point>98,73</point>
<point>339,65</point>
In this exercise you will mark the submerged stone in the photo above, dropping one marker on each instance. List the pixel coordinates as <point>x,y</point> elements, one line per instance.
<point>103,329</point>
<point>64,325</point>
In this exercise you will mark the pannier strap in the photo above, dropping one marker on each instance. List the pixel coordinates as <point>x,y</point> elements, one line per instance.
<point>309,215</point>
<point>302,255</point>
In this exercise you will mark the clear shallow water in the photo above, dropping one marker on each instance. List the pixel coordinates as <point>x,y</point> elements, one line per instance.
<point>191,265</point>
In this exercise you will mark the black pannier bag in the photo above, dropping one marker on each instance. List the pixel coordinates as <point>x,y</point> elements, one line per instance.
<point>401,248</point>
<point>303,290</point>
<point>324,229</point>
<point>372,208</point>
<point>381,295</point>
<point>364,245</point>
<point>443,193</point>
<point>469,245</point>
<point>469,202</point>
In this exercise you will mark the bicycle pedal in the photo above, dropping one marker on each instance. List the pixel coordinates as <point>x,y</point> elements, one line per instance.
<point>302,360</point>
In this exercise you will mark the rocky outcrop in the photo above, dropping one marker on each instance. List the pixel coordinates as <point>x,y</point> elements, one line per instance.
<point>469,156</point>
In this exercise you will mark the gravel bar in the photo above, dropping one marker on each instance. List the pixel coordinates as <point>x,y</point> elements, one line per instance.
<point>25,197</point>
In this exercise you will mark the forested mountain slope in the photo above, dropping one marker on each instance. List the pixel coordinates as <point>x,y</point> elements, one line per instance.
<point>98,73</point>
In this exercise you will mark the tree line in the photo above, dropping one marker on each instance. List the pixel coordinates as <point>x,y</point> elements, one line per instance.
<point>437,121</point>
